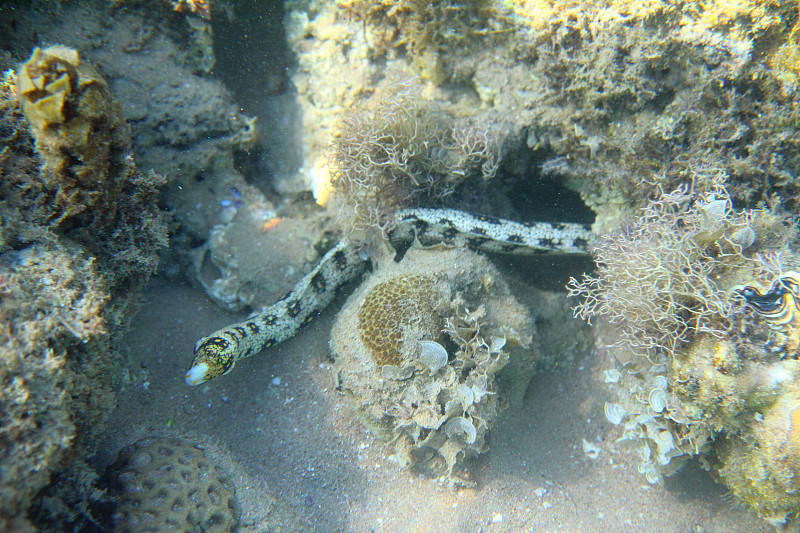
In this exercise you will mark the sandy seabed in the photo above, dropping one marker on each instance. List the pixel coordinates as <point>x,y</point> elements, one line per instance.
<point>302,461</point>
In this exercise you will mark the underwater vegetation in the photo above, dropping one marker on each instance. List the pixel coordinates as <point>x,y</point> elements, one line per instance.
<point>398,149</point>
<point>700,299</point>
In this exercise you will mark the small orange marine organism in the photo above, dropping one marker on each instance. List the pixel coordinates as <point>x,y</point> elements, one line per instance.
<point>201,7</point>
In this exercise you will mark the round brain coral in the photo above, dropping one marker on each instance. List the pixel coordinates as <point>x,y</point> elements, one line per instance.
<point>395,308</point>
<point>167,484</point>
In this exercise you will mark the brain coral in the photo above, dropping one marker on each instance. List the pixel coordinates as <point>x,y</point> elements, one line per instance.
<point>167,484</point>
<point>394,308</point>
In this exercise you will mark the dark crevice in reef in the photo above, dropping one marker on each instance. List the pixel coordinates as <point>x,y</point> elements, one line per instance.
<point>254,62</point>
<point>542,198</point>
<point>521,190</point>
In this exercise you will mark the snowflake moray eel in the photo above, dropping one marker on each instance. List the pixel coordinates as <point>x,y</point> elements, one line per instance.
<point>216,354</point>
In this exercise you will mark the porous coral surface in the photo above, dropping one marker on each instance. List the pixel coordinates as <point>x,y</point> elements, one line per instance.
<point>168,484</point>
<point>394,307</point>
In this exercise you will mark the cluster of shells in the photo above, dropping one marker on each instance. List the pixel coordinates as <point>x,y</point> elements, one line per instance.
<point>446,413</point>
<point>436,400</point>
<point>653,420</point>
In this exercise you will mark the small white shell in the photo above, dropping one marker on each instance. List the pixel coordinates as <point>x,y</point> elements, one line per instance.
<point>462,427</point>
<point>743,237</point>
<point>433,355</point>
<point>662,459</point>
<point>714,213</point>
<point>612,375</point>
<point>591,450</point>
<point>467,396</point>
<point>652,476</point>
<point>497,344</point>
<point>478,393</point>
<point>657,400</point>
<point>615,412</point>
<point>664,441</point>
<point>660,382</point>
<point>395,373</point>
<point>644,453</point>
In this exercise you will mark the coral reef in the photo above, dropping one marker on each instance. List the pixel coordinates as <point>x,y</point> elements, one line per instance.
<point>78,238</point>
<point>168,484</point>
<point>430,34</point>
<point>600,96</point>
<point>417,349</point>
<point>625,90</point>
<point>762,468</point>
<point>698,297</point>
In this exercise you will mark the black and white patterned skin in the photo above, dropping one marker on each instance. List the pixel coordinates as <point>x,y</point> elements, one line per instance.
<point>216,354</point>
<point>451,227</point>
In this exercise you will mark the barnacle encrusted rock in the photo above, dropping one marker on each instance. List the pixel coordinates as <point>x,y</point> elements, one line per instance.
<point>167,484</point>
<point>434,416</point>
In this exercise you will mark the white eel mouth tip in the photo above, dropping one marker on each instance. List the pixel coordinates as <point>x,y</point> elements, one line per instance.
<point>197,374</point>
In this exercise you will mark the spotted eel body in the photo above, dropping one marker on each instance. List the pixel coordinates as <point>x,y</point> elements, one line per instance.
<point>216,354</point>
